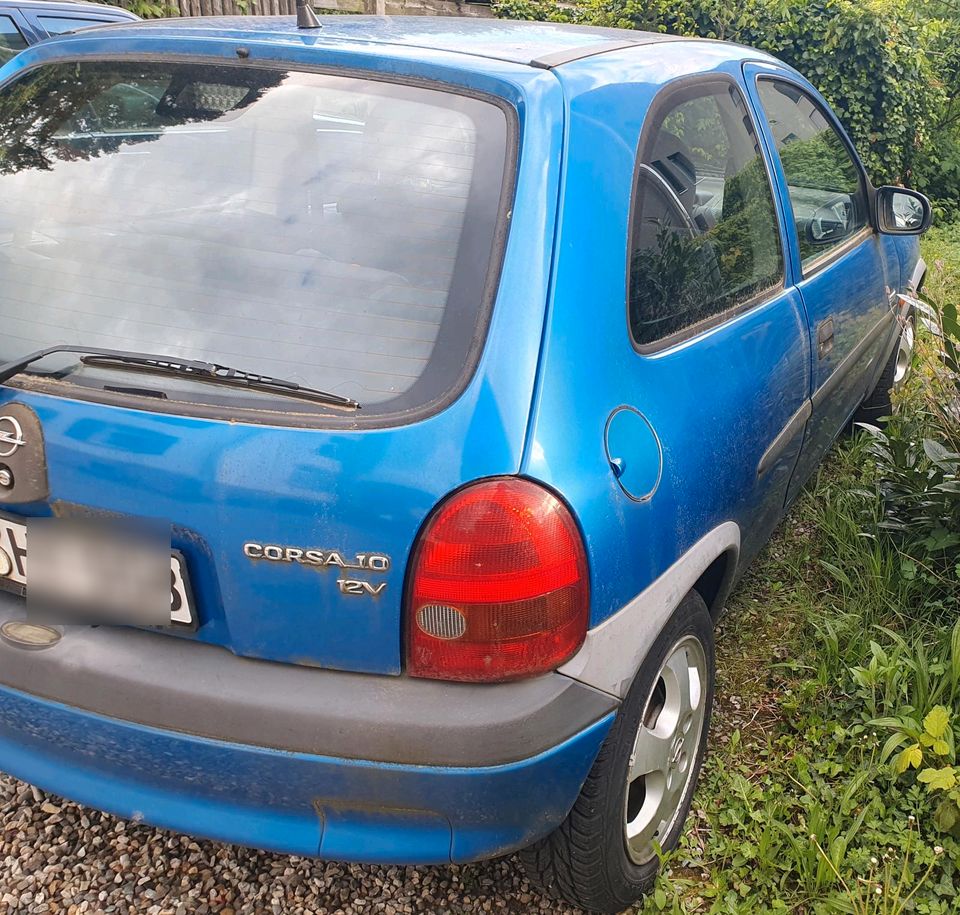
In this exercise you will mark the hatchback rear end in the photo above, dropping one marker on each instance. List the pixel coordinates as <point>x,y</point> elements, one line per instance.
<point>285,297</point>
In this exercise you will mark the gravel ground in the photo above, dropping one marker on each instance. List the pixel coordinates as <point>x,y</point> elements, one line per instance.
<point>59,857</point>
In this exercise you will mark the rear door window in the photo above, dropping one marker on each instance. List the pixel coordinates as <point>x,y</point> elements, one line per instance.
<point>11,39</point>
<point>826,188</point>
<point>704,237</point>
<point>334,231</point>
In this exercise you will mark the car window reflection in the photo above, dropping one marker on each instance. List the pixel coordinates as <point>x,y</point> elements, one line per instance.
<point>705,238</point>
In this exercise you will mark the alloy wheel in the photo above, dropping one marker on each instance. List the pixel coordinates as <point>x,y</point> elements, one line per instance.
<point>663,761</point>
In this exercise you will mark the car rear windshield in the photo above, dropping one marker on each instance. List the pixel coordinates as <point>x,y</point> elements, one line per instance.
<point>333,231</point>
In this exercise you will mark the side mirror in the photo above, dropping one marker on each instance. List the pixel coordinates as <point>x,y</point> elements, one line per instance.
<point>902,212</point>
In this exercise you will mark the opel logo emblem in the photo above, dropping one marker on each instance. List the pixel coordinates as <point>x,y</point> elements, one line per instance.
<point>11,435</point>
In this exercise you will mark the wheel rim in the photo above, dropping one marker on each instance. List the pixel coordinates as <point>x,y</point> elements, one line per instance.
<point>904,353</point>
<point>664,756</point>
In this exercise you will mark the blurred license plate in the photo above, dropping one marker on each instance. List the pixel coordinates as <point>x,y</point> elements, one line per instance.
<point>13,572</point>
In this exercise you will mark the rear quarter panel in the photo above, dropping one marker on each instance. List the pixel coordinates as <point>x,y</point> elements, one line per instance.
<point>713,416</point>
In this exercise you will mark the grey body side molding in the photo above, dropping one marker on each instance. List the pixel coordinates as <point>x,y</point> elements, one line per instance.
<point>613,651</point>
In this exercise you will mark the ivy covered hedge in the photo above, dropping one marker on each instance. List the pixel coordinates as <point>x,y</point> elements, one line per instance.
<point>889,68</point>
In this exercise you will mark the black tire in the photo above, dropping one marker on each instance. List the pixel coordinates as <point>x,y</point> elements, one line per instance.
<point>585,861</point>
<point>879,402</point>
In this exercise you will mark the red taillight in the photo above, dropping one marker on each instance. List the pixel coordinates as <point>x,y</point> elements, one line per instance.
<point>499,587</point>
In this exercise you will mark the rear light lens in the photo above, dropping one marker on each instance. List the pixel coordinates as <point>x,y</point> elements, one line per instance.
<point>499,587</point>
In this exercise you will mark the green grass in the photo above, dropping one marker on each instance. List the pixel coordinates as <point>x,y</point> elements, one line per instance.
<point>941,250</point>
<point>841,639</point>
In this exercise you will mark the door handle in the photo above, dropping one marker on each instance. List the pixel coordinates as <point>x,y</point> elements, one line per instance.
<point>824,337</point>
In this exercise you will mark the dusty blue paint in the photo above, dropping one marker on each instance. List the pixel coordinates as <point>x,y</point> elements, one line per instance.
<point>557,362</point>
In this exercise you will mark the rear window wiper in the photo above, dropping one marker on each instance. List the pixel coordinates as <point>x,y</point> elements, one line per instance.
<point>184,368</point>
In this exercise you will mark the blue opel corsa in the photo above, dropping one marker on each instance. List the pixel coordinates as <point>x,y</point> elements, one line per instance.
<point>390,407</point>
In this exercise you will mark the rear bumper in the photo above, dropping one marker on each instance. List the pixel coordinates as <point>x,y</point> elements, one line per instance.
<point>344,766</point>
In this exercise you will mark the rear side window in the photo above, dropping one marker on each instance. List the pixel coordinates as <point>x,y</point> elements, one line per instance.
<point>826,189</point>
<point>11,39</point>
<point>704,238</point>
<point>333,231</point>
<point>57,25</point>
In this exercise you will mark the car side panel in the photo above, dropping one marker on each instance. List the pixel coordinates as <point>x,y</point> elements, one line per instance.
<point>849,302</point>
<point>853,293</point>
<point>714,403</point>
<point>898,267</point>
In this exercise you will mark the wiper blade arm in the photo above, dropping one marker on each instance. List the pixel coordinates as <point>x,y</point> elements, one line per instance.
<point>218,374</point>
<point>186,368</point>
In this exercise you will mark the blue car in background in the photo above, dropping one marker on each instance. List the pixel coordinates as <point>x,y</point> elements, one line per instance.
<point>29,21</point>
<point>391,405</point>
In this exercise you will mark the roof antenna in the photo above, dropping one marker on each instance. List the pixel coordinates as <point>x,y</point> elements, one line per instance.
<point>306,17</point>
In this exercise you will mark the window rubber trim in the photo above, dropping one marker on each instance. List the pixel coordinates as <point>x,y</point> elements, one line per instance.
<point>660,100</point>
<point>315,420</point>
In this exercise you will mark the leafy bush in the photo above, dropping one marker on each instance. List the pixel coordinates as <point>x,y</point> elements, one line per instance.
<point>917,459</point>
<point>931,750</point>
<point>148,9</point>
<point>918,488</point>
<point>944,323</point>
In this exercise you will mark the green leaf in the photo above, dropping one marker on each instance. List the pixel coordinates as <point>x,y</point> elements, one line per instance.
<point>906,723</point>
<point>893,742</point>
<point>936,722</point>
<point>911,756</point>
<point>935,451</point>
<point>938,779</point>
<point>946,816</point>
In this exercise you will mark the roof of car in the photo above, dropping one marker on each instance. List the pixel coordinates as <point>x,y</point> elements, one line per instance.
<point>544,44</point>
<point>72,5</point>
